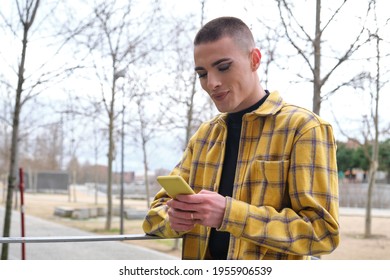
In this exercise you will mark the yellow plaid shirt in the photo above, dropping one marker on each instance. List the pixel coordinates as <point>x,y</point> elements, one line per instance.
<point>285,197</point>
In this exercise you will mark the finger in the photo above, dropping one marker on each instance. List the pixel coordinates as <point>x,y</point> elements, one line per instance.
<point>180,223</point>
<point>174,220</point>
<point>189,198</point>
<point>198,198</point>
<point>181,227</point>
<point>181,216</point>
<point>183,206</point>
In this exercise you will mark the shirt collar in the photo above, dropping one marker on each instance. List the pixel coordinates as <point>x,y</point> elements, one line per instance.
<point>272,105</point>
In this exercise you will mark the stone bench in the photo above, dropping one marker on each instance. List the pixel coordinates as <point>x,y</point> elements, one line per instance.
<point>79,213</point>
<point>65,212</point>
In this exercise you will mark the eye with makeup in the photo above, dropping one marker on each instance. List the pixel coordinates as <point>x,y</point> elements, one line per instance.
<point>221,67</point>
<point>224,67</point>
<point>202,75</point>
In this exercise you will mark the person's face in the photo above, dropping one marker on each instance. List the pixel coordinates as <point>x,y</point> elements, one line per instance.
<point>228,74</point>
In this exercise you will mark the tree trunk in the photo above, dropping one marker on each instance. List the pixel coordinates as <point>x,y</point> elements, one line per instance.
<point>12,174</point>
<point>375,147</point>
<point>146,168</point>
<point>371,186</point>
<point>317,83</point>
<point>110,158</point>
<point>14,145</point>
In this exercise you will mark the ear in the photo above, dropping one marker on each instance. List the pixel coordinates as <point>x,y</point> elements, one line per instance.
<point>255,59</point>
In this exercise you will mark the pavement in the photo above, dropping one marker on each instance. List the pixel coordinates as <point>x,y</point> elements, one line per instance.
<point>107,250</point>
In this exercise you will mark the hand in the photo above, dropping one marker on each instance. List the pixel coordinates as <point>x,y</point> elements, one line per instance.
<point>205,208</point>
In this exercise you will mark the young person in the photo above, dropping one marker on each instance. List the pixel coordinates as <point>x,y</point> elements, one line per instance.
<point>264,171</point>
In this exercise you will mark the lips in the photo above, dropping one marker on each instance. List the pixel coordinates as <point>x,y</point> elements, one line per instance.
<point>219,95</point>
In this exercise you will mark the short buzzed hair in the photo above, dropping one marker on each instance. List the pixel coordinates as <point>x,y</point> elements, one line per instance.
<point>221,27</point>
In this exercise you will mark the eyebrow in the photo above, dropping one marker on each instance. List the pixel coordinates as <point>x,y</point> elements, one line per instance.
<point>215,63</point>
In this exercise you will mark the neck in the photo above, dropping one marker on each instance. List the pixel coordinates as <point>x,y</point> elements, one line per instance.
<point>258,95</point>
<point>238,115</point>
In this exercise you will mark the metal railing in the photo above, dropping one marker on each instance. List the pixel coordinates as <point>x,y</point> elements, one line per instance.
<point>81,238</point>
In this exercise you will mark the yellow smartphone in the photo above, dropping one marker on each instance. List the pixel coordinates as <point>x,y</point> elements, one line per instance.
<point>174,185</point>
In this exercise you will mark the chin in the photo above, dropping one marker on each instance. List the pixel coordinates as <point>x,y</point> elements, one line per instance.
<point>223,110</point>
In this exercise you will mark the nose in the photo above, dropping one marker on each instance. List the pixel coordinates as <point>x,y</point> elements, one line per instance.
<point>213,82</point>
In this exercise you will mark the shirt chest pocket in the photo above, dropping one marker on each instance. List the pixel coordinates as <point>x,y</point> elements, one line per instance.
<point>266,183</point>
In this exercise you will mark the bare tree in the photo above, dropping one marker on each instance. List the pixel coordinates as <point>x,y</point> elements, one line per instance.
<point>117,37</point>
<point>27,16</point>
<point>33,76</point>
<point>375,97</point>
<point>373,83</point>
<point>310,46</point>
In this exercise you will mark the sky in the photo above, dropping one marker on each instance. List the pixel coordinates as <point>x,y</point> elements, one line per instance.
<point>347,106</point>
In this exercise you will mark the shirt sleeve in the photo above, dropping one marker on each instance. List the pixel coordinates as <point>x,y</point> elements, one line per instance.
<point>156,221</point>
<point>309,224</point>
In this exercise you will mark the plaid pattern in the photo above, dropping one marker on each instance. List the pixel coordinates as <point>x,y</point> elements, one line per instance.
<point>285,198</point>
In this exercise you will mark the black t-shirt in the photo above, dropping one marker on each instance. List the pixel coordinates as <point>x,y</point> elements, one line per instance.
<point>219,240</point>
